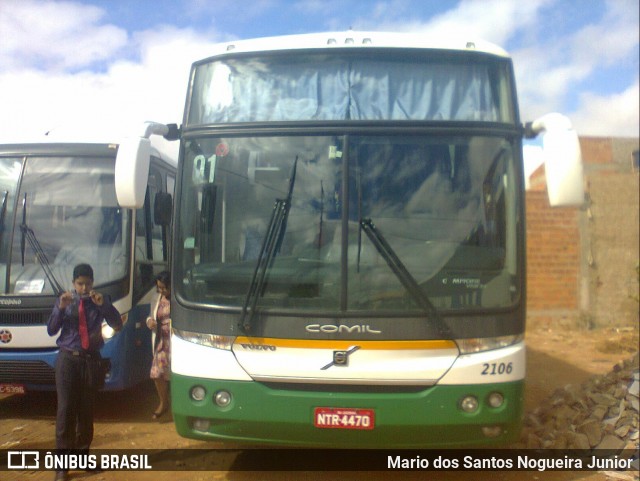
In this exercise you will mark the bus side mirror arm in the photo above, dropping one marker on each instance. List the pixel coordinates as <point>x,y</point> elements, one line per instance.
<point>562,159</point>
<point>173,132</point>
<point>132,164</point>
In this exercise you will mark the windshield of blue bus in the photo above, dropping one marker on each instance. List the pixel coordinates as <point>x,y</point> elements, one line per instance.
<point>68,207</point>
<point>359,215</point>
<point>362,85</point>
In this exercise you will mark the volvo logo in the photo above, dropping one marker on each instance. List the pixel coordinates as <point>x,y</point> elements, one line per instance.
<point>5,336</point>
<point>341,358</point>
<point>334,328</point>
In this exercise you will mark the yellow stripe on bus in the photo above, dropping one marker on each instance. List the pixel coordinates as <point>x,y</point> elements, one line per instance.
<point>346,344</point>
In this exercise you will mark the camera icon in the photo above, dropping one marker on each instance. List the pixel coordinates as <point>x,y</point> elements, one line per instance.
<point>23,460</point>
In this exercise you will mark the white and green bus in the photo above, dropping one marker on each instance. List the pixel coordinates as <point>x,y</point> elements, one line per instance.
<point>349,241</point>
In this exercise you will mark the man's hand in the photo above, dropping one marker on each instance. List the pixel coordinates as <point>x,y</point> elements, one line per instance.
<point>65,300</point>
<point>97,298</point>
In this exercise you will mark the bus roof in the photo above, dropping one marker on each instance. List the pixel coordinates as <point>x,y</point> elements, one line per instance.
<point>54,149</point>
<point>353,39</point>
<point>58,148</point>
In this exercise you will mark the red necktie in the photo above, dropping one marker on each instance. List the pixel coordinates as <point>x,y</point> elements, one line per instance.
<point>82,326</point>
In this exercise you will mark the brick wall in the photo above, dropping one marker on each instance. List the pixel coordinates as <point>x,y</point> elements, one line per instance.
<point>582,261</point>
<point>553,258</point>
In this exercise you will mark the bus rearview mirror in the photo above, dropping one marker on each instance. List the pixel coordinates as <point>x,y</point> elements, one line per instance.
<point>132,170</point>
<point>562,160</point>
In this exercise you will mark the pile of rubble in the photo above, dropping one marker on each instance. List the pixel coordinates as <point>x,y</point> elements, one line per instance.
<point>600,414</point>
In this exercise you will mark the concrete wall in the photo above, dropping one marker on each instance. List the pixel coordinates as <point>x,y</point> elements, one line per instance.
<point>612,231</point>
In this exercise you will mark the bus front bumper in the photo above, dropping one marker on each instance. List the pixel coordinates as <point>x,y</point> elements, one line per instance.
<point>402,418</point>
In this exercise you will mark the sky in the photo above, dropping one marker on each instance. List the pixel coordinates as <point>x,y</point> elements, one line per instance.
<point>90,69</point>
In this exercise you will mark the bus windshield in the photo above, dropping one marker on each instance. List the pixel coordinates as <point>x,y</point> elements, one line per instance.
<point>410,84</point>
<point>68,205</point>
<point>368,217</point>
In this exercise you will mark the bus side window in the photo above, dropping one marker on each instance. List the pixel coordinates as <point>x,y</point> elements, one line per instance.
<point>149,245</point>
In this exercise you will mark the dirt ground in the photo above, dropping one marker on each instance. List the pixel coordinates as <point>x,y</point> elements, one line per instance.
<point>555,358</point>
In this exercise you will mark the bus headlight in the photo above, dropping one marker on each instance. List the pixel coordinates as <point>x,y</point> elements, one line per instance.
<point>222,398</point>
<point>469,404</point>
<point>198,393</point>
<point>107,331</point>
<point>480,344</point>
<point>208,340</point>
<point>495,399</point>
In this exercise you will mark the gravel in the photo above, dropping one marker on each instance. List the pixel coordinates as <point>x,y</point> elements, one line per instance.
<point>602,413</point>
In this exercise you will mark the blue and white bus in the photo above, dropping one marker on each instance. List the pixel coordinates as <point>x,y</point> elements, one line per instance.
<point>58,209</point>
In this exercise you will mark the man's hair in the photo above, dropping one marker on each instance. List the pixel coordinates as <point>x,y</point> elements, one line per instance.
<point>82,270</point>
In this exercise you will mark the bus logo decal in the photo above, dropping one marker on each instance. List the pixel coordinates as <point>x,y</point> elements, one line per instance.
<point>333,328</point>
<point>258,347</point>
<point>341,358</point>
<point>10,302</point>
<point>5,336</point>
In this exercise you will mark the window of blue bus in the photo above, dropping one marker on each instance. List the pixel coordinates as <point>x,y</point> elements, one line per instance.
<point>446,206</point>
<point>149,252</point>
<point>10,168</point>
<point>399,85</point>
<point>72,209</point>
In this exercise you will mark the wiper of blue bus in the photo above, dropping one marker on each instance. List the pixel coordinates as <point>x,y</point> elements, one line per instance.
<point>3,213</point>
<point>41,256</point>
<point>270,247</point>
<point>403,275</point>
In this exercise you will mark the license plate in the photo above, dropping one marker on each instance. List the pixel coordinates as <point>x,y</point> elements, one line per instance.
<point>343,418</point>
<point>12,389</point>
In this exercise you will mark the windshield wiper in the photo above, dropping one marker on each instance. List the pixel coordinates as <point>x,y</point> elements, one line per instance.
<point>320,240</point>
<point>3,213</point>
<point>30,236</point>
<point>403,275</point>
<point>270,247</point>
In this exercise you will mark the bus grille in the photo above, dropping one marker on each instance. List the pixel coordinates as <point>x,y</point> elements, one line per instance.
<point>22,318</point>
<point>26,372</point>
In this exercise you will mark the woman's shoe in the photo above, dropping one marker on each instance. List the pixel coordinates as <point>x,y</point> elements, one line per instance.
<point>158,414</point>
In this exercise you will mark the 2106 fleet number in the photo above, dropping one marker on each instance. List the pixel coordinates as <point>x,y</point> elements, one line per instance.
<point>497,368</point>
